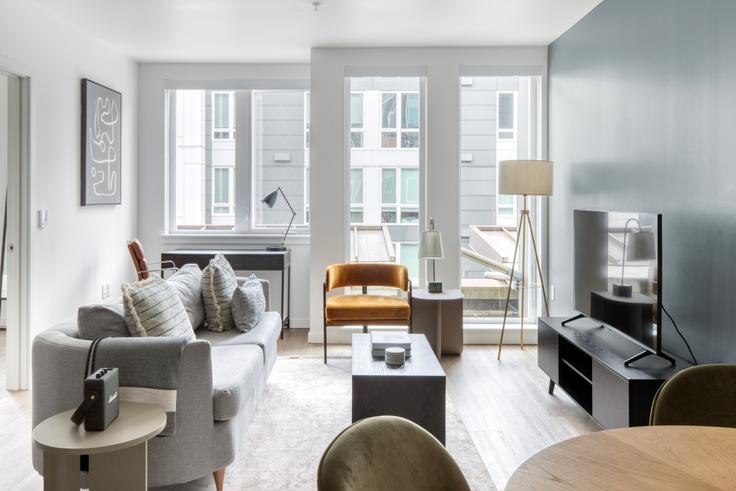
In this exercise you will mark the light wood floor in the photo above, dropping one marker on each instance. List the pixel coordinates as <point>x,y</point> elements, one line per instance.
<point>504,405</point>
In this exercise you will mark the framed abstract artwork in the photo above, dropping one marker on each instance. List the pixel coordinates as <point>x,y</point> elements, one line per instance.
<point>101,144</point>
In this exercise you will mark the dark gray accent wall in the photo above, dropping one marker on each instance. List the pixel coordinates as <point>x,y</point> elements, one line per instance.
<point>642,117</point>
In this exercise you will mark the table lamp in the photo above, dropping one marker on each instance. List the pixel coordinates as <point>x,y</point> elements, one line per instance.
<point>269,201</point>
<point>641,247</point>
<point>524,178</point>
<point>430,247</point>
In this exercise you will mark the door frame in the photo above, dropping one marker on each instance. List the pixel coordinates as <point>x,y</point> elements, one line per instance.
<point>19,232</point>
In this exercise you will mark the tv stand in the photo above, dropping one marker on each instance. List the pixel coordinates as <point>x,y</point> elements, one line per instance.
<point>574,318</point>
<point>589,363</point>
<point>645,353</point>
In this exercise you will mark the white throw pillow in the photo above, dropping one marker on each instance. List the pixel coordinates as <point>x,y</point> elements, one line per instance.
<point>152,308</point>
<point>218,285</point>
<point>248,304</point>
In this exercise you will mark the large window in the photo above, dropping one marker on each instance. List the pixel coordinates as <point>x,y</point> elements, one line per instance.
<point>400,195</point>
<point>219,175</point>
<point>399,120</point>
<point>498,121</point>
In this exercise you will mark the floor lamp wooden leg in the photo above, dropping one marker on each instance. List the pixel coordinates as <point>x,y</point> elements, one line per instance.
<point>524,219</point>
<point>508,292</point>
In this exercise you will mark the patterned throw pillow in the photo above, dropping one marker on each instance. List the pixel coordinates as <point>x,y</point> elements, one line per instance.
<point>218,285</point>
<point>187,283</point>
<point>152,308</point>
<point>248,304</point>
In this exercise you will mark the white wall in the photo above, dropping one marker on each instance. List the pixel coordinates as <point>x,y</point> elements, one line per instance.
<point>153,80</point>
<point>82,247</point>
<point>442,68</point>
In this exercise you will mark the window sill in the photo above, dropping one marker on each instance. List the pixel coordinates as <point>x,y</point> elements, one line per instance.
<point>217,239</point>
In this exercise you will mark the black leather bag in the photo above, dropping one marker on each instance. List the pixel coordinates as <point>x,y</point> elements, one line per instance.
<point>101,405</point>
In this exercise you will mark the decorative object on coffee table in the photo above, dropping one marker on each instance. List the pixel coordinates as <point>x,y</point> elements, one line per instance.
<point>102,132</point>
<point>415,391</point>
<point>439,316</point>
<point>269,201</point>
<point>430,247</point>
<point>117,456</point>
<point>523,178</point>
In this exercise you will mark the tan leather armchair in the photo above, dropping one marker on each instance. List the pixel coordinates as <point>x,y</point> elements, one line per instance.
<point>142,266</point>
<point>365,309</point>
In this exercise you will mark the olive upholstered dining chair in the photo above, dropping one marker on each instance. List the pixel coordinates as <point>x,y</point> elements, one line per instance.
<point>388,452</point>
<point>365,309</point>
<point>703,395</point>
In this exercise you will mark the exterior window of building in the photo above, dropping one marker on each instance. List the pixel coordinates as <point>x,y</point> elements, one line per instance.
<point>357,129</point>
<point>399,120</point>
<point>223,110</point>
<point>400,195</point>
<point>357,212</point>
<point>222,192</point>
<point>506,115</point>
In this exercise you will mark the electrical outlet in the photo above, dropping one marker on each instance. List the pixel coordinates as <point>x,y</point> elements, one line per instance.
<point>552,291</point>
<point>105,290</point>
<point>103,295</point>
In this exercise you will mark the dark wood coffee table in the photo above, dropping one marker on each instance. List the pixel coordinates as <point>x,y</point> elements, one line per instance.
<point>415,391</point>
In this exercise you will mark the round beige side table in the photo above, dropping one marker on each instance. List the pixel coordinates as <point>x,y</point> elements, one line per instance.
<point>118,456</point>
<point>439,316</point>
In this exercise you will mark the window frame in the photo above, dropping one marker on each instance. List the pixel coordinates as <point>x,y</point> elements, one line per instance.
<point>360,130</point>
<point>398,205</point>
<point>398,129</point>
<point>357,207</point>
<point>514,115</point>
<point>230,129</point>
<point>230,192</point>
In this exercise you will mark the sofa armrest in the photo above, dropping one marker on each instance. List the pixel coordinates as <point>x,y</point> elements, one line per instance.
<point>58,373</point>
<point>265,284</point>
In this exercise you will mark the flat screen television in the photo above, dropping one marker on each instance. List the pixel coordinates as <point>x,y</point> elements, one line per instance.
<point>618,274</point>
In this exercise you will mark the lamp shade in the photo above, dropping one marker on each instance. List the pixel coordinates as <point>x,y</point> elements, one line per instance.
<point>430,245</point>
<point>271,198</point>
<point>525,177</point>
<point>641,246</point>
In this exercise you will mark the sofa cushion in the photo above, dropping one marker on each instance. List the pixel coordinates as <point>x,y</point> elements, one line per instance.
<point>103,320</point>
<point>187,283</point>
<point>248,304</point>
<point>152,308</point>
<point>236,376</point>
<point>265,335</point>
<point>218,285</point>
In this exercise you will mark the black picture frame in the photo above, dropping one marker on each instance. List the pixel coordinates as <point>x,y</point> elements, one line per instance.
<point>101,144</point>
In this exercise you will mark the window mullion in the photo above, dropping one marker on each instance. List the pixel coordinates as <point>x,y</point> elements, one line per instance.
<point>243,161</point>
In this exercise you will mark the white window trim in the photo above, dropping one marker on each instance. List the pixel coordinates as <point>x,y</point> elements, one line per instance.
<point>398,129</point>
<point>307,121</point>
<point>230,130</point>
<point>398,204</point>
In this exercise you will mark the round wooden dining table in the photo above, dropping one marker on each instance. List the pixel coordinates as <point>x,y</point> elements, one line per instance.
<point>640,458</point>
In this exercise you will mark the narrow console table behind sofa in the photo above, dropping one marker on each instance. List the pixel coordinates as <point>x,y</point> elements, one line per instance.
<point>243,260</point>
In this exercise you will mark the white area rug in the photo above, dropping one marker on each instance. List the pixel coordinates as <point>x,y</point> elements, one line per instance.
<point>305,405</point>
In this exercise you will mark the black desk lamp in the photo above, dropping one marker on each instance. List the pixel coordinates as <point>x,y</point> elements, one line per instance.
<point>269,201</point>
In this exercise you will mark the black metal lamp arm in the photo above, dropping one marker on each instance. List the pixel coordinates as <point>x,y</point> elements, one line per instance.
<point>293,214</point>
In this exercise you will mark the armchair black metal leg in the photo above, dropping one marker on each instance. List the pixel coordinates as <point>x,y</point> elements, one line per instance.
<point>324,340</point>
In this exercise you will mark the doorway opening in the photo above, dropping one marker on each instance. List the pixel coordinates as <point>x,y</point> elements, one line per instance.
<point>14,335</point>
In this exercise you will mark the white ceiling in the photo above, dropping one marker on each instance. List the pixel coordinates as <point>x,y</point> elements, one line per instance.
<point>285,30</point>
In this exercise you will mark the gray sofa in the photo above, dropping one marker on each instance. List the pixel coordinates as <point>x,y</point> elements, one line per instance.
<point>223,377</point>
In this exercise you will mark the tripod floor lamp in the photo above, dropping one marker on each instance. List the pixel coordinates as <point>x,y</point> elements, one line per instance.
<point>524,178</point>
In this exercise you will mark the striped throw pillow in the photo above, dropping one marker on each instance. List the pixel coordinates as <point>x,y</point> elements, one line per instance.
<point>152,308</point>
<point>218,285</point>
